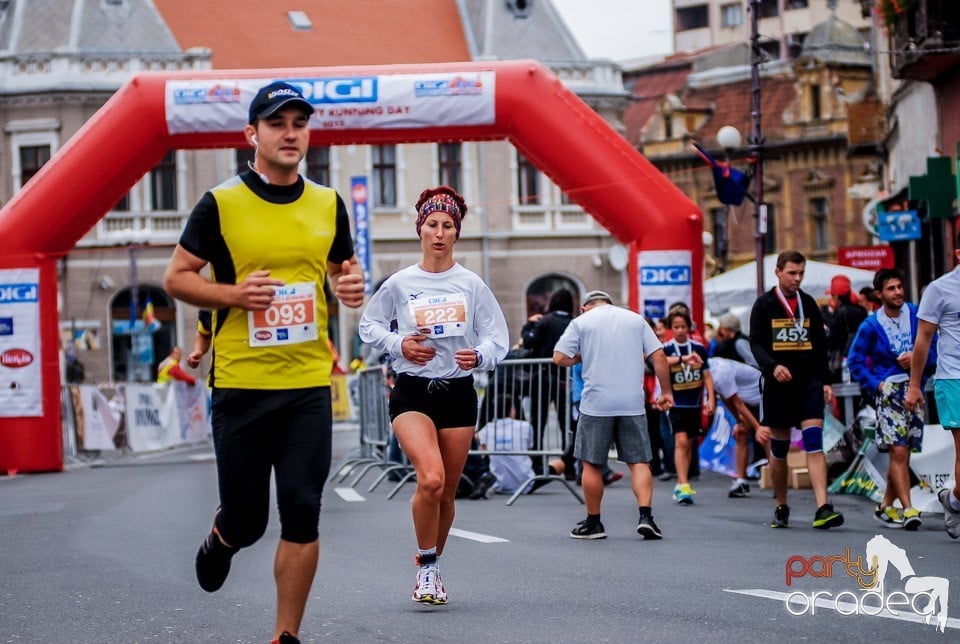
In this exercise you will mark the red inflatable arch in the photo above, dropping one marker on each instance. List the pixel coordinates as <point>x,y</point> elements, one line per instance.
<point>517,100</point>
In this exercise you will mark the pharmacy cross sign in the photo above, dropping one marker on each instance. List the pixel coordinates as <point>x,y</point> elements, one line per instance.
<point>937,188</point>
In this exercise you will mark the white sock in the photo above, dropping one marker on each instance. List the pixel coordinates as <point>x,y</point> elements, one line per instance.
<point>954,501</point>
<point>741,481</point>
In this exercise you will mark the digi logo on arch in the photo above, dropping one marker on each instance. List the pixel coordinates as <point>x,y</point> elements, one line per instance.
<point>318,91</point>
<point>665,275</point>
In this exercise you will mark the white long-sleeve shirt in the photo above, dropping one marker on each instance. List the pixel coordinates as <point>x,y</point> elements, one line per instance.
<point>455,309</point>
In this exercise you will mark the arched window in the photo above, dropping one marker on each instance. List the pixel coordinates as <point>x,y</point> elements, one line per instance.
<point>141,339</point>
<point>539,292</point>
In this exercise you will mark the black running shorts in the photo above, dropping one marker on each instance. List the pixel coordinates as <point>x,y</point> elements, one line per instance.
<point>448,402</point>
<point>256,432</point>
<point>787,404</point>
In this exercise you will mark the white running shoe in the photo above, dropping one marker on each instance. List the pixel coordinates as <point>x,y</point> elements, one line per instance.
<point>951,517</point>
<point>441,591</point>
<point>429,588</point>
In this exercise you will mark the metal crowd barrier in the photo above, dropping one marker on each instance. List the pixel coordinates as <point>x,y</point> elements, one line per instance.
<point>375,431</point>
<point>539,393</point>
<point>848,392</point>
<point>541,396</point>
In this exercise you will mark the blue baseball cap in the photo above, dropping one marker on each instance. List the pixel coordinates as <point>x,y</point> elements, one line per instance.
<point>275,96</point>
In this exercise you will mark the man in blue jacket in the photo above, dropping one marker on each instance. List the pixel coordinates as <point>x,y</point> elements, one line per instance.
<point>879,360</point>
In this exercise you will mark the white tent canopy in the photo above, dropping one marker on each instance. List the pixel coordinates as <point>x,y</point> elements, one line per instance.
<point>736,290</point>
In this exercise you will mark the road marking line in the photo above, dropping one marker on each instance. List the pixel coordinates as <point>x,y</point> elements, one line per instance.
<point>348,494</point>
<point>822,602</point>
<point>476,536</point>
<point>202,457</point>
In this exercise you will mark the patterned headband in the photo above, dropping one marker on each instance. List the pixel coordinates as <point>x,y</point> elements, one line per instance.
<point>440,203</point>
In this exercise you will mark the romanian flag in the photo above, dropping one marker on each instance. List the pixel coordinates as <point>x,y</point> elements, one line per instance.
<point>149,316</point>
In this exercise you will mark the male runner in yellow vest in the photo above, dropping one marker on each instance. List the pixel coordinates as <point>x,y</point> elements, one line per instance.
<point>271,238</point>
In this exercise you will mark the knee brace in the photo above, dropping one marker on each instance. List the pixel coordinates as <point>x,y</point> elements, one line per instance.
<point>779,448</point>
<point>812,439</point>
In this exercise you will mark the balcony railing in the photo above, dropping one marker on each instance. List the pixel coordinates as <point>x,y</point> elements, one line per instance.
<point>122,227</point>
<point>926,40</point>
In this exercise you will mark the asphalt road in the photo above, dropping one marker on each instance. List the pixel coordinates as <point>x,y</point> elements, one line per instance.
<point>105,554</point>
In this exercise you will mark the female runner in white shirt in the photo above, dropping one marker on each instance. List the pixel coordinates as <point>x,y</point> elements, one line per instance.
<point>448,325</point>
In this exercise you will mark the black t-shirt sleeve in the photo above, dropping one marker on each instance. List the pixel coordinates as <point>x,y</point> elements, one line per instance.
<point>205,321</point>
<point>201,235</point>
<point>342,248</point>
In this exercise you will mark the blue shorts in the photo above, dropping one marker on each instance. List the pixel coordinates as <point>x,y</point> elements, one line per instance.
<point>947,395</point>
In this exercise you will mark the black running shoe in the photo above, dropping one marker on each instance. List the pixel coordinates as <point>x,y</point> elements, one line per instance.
<point>739,490</point>
<point>287,638</point>
<point>588,529</point>
<point>781,517</point>
<point>483,488</point>
<point>826,517</point>
<point>213,563</point>
<point>648,529</point>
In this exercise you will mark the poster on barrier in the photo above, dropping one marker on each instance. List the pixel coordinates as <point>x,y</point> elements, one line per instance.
<point>152,418</point>
<point>191,403</point>
<point>340,397</point>
<point>98,417</point>
<point>718,449</point>
<point>933,466</point>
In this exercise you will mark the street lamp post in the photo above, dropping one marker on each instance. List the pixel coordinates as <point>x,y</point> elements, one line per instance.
<point>756,139</point>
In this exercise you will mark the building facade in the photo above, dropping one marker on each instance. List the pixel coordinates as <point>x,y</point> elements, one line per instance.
<point>814,187</point>
<point>784,24</point>
<point>523,235</point>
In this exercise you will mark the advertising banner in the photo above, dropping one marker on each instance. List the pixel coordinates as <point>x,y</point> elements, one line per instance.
<point>718,449</point>
<point>666,276</point>
<point>361,224</point>
<point>191,403</point>
<point>340,397</point>
<point>152,419</point>
<point>20,380</point>
<point>870,258</point>
<point>98,415</point>
<point>343,103</point>
<point>931,470</point>
<point>162,416</point>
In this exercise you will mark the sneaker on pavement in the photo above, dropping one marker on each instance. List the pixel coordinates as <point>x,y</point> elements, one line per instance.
<point>667,476</point>
<point>647,529</point>
<point>213,562</point>
<point>588,529</point>
<point>286,638</point>
<point>739,490</point>
<point>826,517</point>
<point>888,516</point>
<point>612,477</point>
<point>951,517</point>
<point>683,494</point>
<point>781,517</point>
<point>429,589</point>
<point>484,487</point>
<point>911,519</point>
